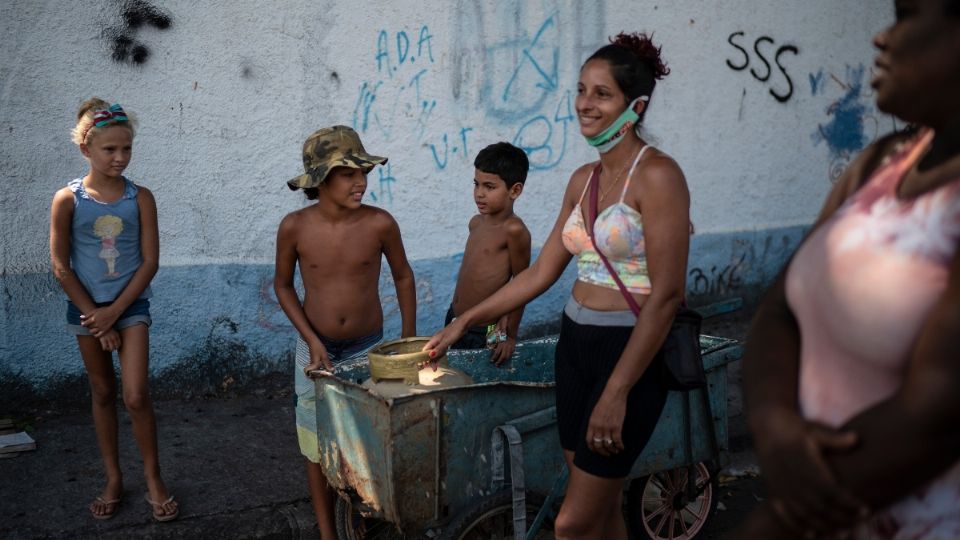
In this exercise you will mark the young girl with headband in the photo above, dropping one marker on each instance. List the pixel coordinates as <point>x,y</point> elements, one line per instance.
<point>610,390</point>
<point>104,248</point>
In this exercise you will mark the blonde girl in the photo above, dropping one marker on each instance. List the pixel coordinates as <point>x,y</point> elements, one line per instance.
<point>104,249</point>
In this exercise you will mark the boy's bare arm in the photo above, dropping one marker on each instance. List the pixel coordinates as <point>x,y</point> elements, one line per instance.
<point>530,283</point>
<point>402,277</point>
<point>518,249</point>
<point>286,262</point>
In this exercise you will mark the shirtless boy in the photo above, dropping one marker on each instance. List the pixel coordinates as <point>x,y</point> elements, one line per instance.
<point>498,248</point>
<point>338,242</point>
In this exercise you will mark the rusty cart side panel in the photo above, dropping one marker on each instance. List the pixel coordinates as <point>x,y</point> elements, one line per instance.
<point>419,459</point>
<point>356,447</point>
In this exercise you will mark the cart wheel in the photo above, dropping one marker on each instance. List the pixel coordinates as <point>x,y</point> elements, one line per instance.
<point>351,525</point>
<point>660,508</point>
<point>492,517</point>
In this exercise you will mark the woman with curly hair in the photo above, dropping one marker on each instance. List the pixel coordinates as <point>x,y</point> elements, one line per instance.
<point>610,390</point>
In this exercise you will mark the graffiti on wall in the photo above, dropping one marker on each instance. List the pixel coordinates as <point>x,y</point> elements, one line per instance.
<point>854,122</point>
<point>717,282</point>
<point>758,65</point>
<point>508,72</point>
<point>270,315</point>
<point>515,57</point>
<point>400,101</point>
<point>135,14</point>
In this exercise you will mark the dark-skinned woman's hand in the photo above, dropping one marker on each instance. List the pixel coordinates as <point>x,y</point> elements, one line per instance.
<point>804,491</point>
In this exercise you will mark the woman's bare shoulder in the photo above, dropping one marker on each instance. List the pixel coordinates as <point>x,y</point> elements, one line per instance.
<point>578,179</point>
<point>861,168</point>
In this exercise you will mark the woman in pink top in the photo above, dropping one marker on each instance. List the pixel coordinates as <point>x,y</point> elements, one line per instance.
<point>852,370</point>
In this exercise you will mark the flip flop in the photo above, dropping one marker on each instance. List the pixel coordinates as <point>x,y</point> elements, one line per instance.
<point>159,506</point>
<point>115,503</point>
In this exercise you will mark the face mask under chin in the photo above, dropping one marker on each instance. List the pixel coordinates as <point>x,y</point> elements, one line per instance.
<point>613,134</point>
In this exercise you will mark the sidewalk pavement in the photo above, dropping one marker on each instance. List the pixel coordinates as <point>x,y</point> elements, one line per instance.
<point>233,465</point>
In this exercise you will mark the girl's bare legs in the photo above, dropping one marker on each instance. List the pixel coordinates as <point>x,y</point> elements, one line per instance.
<point>103,389</point>
<point>591,508</point>
<point>134,363</point>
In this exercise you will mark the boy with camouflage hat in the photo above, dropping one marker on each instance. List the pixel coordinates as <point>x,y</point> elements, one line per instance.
<point>338,242</point>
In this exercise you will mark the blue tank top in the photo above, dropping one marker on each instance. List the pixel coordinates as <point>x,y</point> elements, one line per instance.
<point>105,241</point>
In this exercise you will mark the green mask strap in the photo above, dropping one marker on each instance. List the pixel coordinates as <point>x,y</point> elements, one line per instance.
<point>608,138</point>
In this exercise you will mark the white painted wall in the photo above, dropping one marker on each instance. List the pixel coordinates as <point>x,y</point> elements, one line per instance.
<point>216,144</point>
<point>232,88</point>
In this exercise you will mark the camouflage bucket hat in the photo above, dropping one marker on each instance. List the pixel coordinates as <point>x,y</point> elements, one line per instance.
<point>337,146</point>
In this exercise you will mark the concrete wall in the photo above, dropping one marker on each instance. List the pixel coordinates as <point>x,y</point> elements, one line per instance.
<point>766,103</point>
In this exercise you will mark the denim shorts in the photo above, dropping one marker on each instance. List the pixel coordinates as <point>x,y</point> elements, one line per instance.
<point>137,313</point>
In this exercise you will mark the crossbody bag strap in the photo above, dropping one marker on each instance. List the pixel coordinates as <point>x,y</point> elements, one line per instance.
<point>594,181</point>
<point>632,302</point>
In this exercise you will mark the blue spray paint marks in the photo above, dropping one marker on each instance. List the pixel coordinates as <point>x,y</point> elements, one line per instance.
<point>548,81</point>
<point>447,149</point>
<point>424,39</point>
<point>361,111</point>
<point>536,136</point>
<point>844,134</point>
<point>441,164</point>
<point>401,100</point>
<point>386,181</point>
<point>816,82</point>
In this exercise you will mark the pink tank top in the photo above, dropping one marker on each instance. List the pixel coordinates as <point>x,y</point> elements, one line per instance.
<point>861,287</point>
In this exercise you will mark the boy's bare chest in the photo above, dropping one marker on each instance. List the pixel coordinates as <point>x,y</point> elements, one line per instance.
<point>486,242</point>
<point>339,250</point>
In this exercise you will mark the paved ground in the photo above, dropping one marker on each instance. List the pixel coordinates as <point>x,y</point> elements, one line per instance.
<point>234,466</point>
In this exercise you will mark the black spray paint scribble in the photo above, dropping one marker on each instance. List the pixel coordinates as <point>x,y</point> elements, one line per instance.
<point>765,73</point>
<point>135,14</point>
<point>717,282</point>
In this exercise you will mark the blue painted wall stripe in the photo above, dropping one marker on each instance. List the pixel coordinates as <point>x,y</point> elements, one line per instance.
<point>228,313</point>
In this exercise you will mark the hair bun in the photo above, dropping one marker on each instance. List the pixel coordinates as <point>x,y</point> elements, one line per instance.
<point>91,104</point>
<point>642,45</point>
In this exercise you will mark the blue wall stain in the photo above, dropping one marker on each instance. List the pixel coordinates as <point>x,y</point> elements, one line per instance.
<point>203,312</point>
<point>844,133</point>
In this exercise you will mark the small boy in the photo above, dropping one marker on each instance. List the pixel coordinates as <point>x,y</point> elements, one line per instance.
<point>338,244</point>
<point>498,248</point>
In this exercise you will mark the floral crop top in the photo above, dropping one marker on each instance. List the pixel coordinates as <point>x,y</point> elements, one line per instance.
<point>619,234</point>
